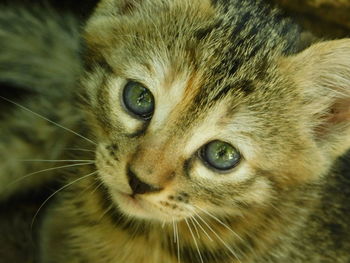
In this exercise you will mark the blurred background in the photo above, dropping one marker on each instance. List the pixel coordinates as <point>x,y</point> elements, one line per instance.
<point>325,18</point>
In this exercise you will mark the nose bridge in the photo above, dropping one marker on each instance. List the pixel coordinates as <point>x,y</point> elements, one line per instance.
<point>155,162</point>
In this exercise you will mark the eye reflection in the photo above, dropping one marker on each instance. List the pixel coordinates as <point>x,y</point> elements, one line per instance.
<point>138,100</point>
<point>220,155</point>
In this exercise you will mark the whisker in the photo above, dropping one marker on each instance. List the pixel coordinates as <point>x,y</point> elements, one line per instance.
<point>105,212</point>
<point>80,149</point>
<point>44,118</point>
<point>89,187</point>
<point>220,222</point>
<point>200,226</point>
<point>195,241</point>
<point>56,161</point>
<point>195,227</point>
<point>178,243</point>
<point>174,230</point>
<point>97,186</point>
<point>46,170</point>
<point>57,191</point>
<point>218,237</point>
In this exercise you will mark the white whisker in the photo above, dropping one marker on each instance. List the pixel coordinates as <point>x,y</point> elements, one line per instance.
<point>195,241</point>
<point>80,149</point>
<point>195,227</point>
<point>200,226</point>
<point>97,186</point>
<point>54,193</point>
<point>177,243</point>
<point>174,234</point>
<point>44,118</point>
<point>47,170</point>
<point>220,222</point>
<point>105,212</point>
<point>218,237</point>
<point>90,187</point>
<point>56,161</point>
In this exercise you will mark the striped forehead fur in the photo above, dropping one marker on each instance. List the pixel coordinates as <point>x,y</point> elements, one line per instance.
<point>224,47</point>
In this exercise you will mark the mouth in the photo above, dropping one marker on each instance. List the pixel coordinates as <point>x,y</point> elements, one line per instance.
<point>134,206</point>
<point>138,207</point>
<point>119,204</point>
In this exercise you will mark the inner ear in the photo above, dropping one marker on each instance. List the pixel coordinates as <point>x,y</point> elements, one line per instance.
<point>321,74</point>
<point>340,111</point>
<point>338,114</point>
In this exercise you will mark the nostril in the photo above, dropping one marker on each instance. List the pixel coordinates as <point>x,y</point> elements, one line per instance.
<point>139,187</point>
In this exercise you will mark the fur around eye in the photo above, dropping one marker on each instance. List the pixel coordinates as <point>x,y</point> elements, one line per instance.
<point>138,100</point>
<point>220,155</point>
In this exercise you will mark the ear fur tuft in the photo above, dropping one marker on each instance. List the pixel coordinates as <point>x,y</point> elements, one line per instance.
<point>322,73</point>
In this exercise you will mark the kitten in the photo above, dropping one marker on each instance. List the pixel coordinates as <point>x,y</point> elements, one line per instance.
<point>215,139</point>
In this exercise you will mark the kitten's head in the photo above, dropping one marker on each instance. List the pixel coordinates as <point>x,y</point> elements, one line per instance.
<point>199,105</point>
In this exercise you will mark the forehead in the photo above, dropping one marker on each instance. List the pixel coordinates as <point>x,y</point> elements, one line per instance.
<point>221,40</point>
<point>217,49</point>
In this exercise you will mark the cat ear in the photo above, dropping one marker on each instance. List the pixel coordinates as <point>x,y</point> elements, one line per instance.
<point>101,28</point>
<point>322,73</point>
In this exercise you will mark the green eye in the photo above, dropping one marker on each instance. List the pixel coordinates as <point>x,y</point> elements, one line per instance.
<point>138,100</point>
<point>220,155</point>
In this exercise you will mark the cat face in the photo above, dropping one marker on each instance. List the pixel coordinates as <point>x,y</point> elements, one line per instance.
<point>194,109</point>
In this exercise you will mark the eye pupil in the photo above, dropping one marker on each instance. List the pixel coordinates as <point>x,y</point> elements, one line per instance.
<point>220,155</point>
<point>144,98</point>
<point>138,100</point>
<point>222,152</point>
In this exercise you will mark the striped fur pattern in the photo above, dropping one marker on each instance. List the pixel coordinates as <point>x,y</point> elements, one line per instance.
<point>218,70</point>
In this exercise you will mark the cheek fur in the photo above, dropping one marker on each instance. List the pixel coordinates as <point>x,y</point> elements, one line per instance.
<point>111,167</point>
<point>236,193</point>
